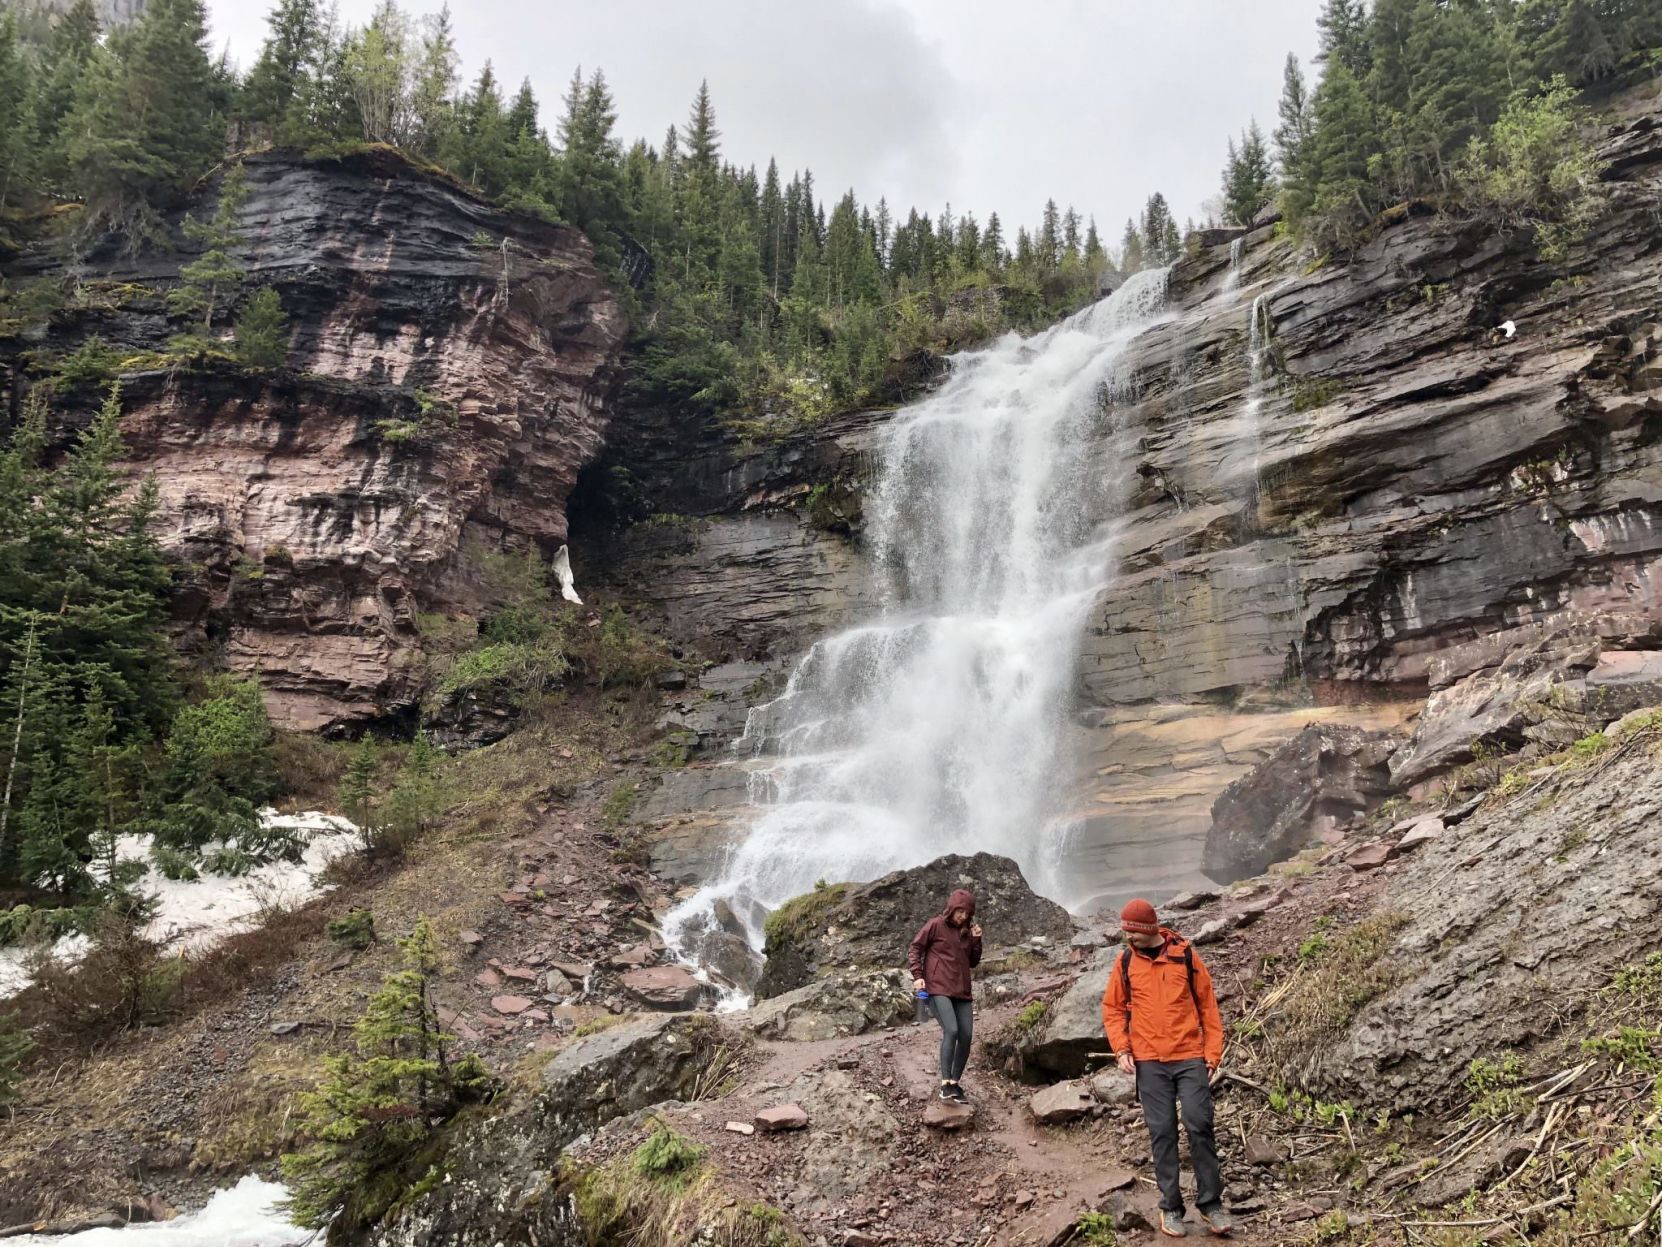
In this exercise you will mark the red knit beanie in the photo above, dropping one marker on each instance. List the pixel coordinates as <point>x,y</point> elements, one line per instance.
<point>1139,918</point>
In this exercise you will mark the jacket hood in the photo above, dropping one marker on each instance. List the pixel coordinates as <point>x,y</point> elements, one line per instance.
<point>961,898</point>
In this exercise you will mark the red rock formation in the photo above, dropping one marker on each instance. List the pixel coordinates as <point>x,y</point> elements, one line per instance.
<point>450,365</point>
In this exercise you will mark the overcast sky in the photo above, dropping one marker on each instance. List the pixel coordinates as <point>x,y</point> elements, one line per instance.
<point>986,104</point>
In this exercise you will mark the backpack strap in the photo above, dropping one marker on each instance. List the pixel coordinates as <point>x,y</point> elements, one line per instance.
<point>1125,981</point>
<point>1189,966</point>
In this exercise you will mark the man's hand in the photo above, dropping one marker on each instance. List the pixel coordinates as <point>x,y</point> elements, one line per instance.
<point>1128,1063</point>
<point>975,929</point>
<point>917,985</point>
<point>1212,1067</point>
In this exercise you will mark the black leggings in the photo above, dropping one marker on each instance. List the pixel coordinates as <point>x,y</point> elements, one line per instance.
<point>957,1028</point>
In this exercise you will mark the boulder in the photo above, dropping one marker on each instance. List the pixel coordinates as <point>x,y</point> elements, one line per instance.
<point>939,1115</point>
<point>1368,857</point>
<point>1067,1101</point>
<point>1422,832</point>
<point>498,1164</point>
<point>1325,775</point>
<point>1263,1152</point>
<point>664,987</point>
<point>862,925</point>
<point>1112,1086</point>
<point>781,1117</point>
<point>846,1003</point>
<point>1549,686</point>
<point>1069,1038</point>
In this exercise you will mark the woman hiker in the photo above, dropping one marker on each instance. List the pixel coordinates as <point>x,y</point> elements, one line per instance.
<point>1162,1021</point>
<point>941,957</point>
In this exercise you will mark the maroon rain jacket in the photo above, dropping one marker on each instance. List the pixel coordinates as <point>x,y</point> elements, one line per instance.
<point>943,955</point>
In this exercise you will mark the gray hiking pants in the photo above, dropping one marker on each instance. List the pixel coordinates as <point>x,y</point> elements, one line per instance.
<point>957,1027</point>
<point>1161,1087</point>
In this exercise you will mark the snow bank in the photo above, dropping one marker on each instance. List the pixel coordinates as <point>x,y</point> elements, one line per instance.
<point>196,914</point>
<point>244,1215</point>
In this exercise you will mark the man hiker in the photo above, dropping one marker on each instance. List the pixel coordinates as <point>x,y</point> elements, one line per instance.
<point>1163,1023</point>
<point>941,957</point>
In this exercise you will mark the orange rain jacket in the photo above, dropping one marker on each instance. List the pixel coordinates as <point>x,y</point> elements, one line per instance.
<point>1167,1022</point>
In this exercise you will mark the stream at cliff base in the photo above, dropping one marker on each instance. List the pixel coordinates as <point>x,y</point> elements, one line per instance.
<point>940,725</point>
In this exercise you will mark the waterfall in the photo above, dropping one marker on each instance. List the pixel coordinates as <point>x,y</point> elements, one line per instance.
<point>940,725</point>
<point>1246,436</point>
<point>1232,279</point>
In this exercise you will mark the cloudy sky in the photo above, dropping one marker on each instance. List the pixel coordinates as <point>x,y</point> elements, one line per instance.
<point>986,104</point>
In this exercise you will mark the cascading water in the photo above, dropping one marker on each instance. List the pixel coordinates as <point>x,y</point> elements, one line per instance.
<point>940,725</point>
<point>1232,279</point>
<point>1246,435</point>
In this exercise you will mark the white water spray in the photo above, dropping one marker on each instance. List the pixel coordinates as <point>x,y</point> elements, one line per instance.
<point>1246,438</point>
<point>940,726</point>
<point>1232,279</point>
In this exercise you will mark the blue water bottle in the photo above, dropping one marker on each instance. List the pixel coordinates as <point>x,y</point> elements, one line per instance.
<point>923,1008</point>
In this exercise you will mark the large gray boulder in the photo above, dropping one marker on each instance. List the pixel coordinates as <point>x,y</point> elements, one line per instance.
<point>844,926</point>
<point>1324,776</point>
<point>497,1165</point>
<point>845,1003</point>
<point>1549,687</point>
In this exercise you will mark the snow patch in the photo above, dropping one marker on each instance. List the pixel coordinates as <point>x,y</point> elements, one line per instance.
<point>244,1215</point>
<point>195,914</point>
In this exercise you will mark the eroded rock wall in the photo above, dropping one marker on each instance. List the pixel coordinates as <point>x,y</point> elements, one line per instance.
<point>449,371</point>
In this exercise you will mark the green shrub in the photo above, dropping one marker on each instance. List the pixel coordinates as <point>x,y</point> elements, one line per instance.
<point>1493,1086</point>
<point>263,331</point>
<point>14,1047</point>
<point>802,916</point>
<point>355,930</point>
<point>1095,1229</point>
<point>666,1157</point>
<point>615,812</point>
<point>93,363</point>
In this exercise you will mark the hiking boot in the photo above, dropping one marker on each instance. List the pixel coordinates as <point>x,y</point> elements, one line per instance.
<point>1218,1221</point>
<point>958,1092</point>
<point>946,1093</point>
<point>1171,1224</point>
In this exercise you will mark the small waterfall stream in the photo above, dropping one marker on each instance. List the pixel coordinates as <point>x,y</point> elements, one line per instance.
<point>939,726</point>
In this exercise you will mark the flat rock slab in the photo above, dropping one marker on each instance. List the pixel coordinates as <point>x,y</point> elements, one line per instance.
<point>940,1115</point>
<point>1422,832</point>
<point>1264,1152</point>
<point>511,1006</point>
<point>1066,1101</point>
<point>782,1117</point>
<point>663,987</point>
<point>739,1127</point>
<point>1368,857</point>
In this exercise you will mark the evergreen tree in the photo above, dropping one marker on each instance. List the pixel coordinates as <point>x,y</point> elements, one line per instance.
<point>16,117</point>
<point>1346,141</point>
<point>1297,123</point>
<point>281,81</point>
<point>1070,236</point>
<point>1096,255</point>
<point>263,331</point>
<point>1344,35</point>
<point>772,232</point>
<point>211,280</point>
<point>1247,181</point>
<point>1048,244</point>
<point>379,1102</point>
<point>1455,90</point>
<point>703,139</point>
<point>590,174</point>
<point>146,123</point>
<point>992,244</point>
<point>357,785</point>
<point>482,135</point>
<point>68,51</point>
<point>1132,257</point>
<point>1161,241</point>
<point>83,604</point>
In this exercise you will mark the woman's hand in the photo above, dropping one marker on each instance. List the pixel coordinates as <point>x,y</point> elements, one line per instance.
<point>917,985</point>
<point>975,929</point>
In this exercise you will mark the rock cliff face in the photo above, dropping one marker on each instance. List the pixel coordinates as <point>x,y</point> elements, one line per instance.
<point>449,369</point>
<point>1321,542</point>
